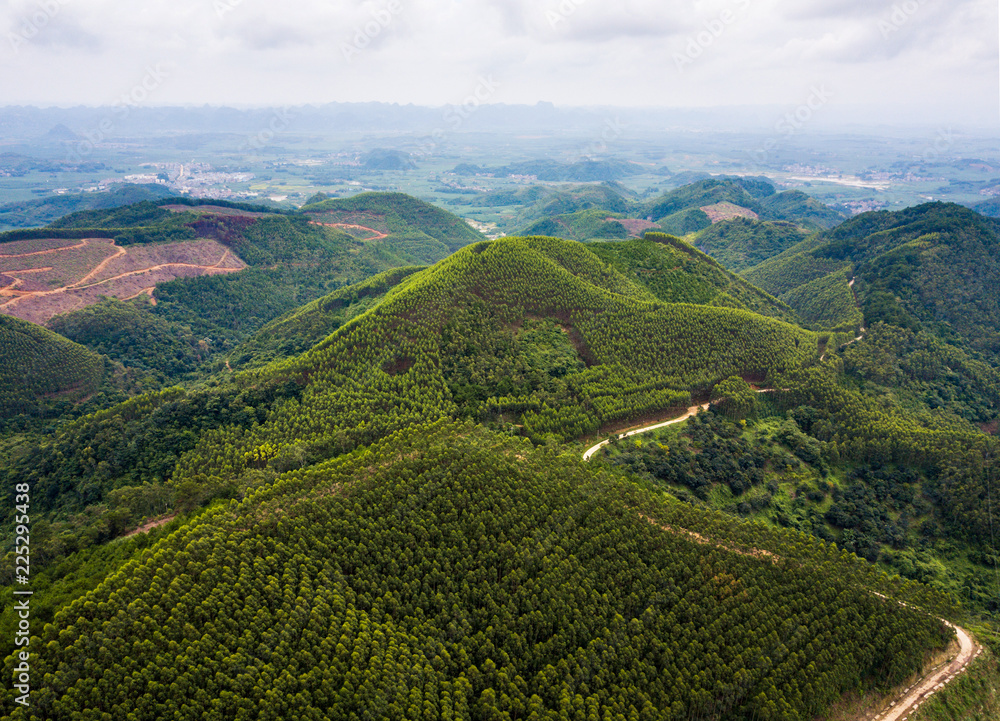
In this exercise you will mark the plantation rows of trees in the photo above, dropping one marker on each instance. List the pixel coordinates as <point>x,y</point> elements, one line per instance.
<point>676,272</point>
<point>36,364</point>
<point>742,243</point>
<point>827,303</point>
<point>449,573</point>
<point>445,341</point>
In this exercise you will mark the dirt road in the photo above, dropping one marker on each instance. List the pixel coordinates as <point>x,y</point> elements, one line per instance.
<point>935,681</point>
<point>914,696</point>
<point>377,235</point>
<point>693,410</point>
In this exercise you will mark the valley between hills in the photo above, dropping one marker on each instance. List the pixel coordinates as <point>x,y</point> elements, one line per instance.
<point>358,460</point>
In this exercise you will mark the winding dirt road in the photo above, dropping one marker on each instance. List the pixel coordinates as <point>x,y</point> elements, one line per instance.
<point>692,411</point>
<point>81,244</point>
<point>378,235</point>
<point>935,681</point>
<point>916,694</point>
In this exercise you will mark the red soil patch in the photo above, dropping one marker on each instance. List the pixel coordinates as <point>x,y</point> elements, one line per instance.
<point>727,211</point>
<point>374,234</point>
<point>149,526</point>
<point>78,277</point>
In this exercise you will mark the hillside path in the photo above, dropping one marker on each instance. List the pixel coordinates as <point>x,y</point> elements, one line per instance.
<point>692,411</point>
<point>378,235</point>
<point>915,695</point>
<point>935,681</point>
<point>81,244</point>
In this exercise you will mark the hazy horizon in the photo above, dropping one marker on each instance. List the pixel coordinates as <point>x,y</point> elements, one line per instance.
<point>847,61</point>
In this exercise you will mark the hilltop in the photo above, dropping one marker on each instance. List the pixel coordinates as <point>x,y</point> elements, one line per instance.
<point>410,229</point>
<point>742,243</point>
<point>690,208</point>
<point>676,272</point>
<point>933,267</point>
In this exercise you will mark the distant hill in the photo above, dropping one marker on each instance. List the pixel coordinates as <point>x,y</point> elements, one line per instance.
<point>742,243</point>
<point>583,225</point>
<point>680,211</point>
<point>408,228</point>
<point>382,159</point>
<point>934,267</point>
<point>37,364</point>
<point>34,213</point>
<point>540,202</point>
<point>584,171</point>
<point>989,208</point>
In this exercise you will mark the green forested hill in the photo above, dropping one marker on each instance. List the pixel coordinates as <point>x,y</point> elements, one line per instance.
<point>594,223</point>
<point>451,573</point>
<point>934,267</point>
<point>300,330</point>
<point>37,364</point>
<point>676,272</point>
<point>535,333</point>
<point>680,207</point>
<point>742,243</point>
<point>406,220</point>
<point>33,213</point>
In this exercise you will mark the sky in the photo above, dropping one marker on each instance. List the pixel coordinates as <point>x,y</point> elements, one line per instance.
<point>886,60</point>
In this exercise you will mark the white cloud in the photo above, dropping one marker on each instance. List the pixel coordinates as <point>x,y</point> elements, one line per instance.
<point>580,52</point>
